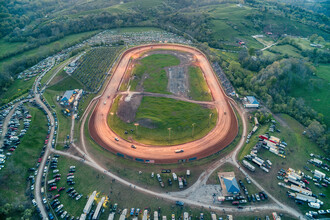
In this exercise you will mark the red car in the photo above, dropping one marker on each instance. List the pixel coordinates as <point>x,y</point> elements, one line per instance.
<point>53,188</point>
<point>46,141</point>
<point>57,179</point>
<point>56,196</point>
<point>61,189</point>
<point>11,149</point>
<point>305,181</point>
<point>39,160</point>
<point>70,174</point>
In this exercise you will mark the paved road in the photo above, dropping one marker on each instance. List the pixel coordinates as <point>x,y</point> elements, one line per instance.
<point>222,135</point>
<point>38,186</point>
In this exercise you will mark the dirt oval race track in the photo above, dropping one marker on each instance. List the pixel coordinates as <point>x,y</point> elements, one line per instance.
<point>221,136</point>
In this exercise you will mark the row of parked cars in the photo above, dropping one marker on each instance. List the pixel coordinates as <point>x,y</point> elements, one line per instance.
<point>17,127</point>
<point>56,205</point>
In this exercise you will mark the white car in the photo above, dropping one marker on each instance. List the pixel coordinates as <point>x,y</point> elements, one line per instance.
<point>32,187</point>
<point>44,200</point>
<point>64,214</point>
<point>34,202</point>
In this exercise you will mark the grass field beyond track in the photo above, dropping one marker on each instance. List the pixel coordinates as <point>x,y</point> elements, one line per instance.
<point>164,113</point>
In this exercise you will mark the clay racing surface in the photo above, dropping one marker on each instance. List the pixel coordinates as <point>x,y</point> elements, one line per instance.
<point>221,136</point>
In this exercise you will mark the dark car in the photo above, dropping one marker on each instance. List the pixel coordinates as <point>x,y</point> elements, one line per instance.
<point>170,182</point>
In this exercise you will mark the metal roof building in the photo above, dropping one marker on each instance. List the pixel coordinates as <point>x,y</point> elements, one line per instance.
<point>251,102</point>
<point>228,183</point>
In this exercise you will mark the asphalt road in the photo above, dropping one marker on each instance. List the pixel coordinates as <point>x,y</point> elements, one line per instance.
<point>221,136</point>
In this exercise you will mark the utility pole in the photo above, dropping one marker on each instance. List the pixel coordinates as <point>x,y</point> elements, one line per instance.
<point>210,116</point>
<point>136,127</point>
<point>193,127</point>
<point>169,133</point>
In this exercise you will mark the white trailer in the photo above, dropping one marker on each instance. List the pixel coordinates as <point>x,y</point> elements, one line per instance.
<point>214,216</point>
<point>83,216</point>
<point>185,216</point>
<point>300,190</point>
<point>319,174</point>
<point>98,209</point>
<point>155,215</point>
<point>89,203</point>
<point>111,216</point>
<point>123,215</point>
<point>145,215</point>
<point>314,205</point>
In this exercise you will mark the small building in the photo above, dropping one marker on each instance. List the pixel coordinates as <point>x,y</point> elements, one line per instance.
<point>228,183</point>
<point>66,97</point>
<point>251,102</point>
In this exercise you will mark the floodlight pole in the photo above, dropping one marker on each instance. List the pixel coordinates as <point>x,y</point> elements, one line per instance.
<point>136,127</point>
<point>210,116</point>
<point>193,127</point>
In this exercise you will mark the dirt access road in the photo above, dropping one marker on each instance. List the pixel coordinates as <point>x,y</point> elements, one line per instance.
<point>221,136</point>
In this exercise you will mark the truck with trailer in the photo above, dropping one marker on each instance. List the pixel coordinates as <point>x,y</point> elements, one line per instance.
<point>300,190</point>
<point>248,165</point>
<point>305,198</point>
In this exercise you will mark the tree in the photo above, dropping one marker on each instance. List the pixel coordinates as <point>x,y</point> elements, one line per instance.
<point>252,51</point>
<point>320,39</point>
<point>313,37</point>
<point>315,130</point>
<point>27,214</point>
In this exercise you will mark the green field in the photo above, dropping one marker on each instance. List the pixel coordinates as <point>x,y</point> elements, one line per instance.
<point>164,113</point>
<point>45,49</point>
<point>9,47</point>
<point>18,88</point>
<point>65,82</point>
<point>198,87</point>
<point>317,97</point>
<point>297,153</point>
<point>286,50</point>
<point>151,73</point>
<point>14,188</point>
<point>323,71</point>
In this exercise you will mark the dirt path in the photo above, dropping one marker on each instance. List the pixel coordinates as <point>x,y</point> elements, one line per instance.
<point>131,94</point>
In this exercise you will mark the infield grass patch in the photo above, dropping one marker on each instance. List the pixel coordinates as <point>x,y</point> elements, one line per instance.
<point>198,87</point>
<point>152,74</point>
<point>162,114</point>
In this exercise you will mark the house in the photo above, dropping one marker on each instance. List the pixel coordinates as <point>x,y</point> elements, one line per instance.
<point>251,102</point>
<point>228,183</point>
